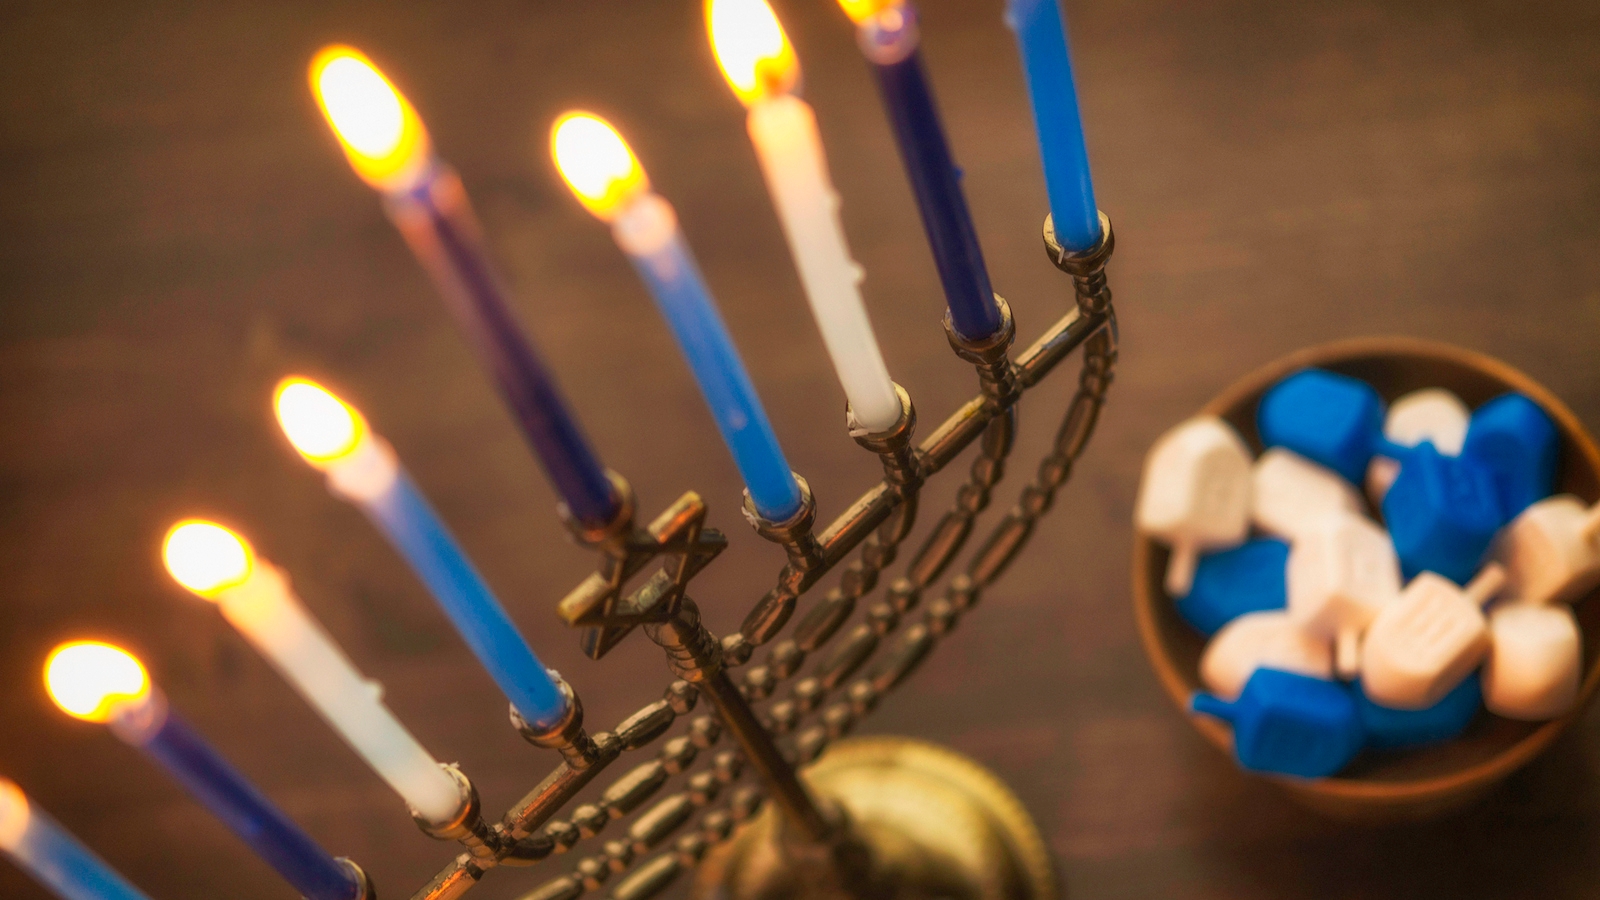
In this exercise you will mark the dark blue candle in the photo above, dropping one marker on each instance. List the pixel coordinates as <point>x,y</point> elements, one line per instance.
<point>437,221</point>
<point>388,146</point>
<point>889,38</point>
<point>1042,38</point>
<point>166,738</point>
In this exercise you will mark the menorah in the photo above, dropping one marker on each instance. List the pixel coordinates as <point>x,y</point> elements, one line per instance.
<point>872,818</point>
<point>931,823</point>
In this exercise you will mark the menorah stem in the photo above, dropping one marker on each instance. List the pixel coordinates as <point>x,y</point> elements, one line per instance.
<point>695,655</point>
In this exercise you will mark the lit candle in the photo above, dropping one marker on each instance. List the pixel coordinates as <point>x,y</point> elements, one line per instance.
<point>888,35</point>
<point>362,468</point>
<point>255,597</point>
<point>99,682</point>
<point>42,848</point>
<point>603,172</point>
<point>761,67</point>
<point>388,147</point>
<point>1042,37</point>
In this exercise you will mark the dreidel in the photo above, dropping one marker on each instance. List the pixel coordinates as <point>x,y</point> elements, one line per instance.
<point>1229,583</point>
<point>1393,729</point>
<point>1517,442</point>
<point>1333,420</point>
<point>1422,645</point>
<point>1290,493</point>
<point>1551,551</point>
<point>1340,574</point>
<point>1289,724</point>
<point>1535,661</point>
<point>1443,513</point>
<point>1434,415</point>
<point>1195,494</point>
<point>1258,640</point>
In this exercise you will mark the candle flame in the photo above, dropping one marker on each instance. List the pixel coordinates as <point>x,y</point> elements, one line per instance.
<point>207,558</point>
<point>381,133</point>
<point>597,163</point>
<point>752,49</point>
<point>322,428</point>
<point>861,10</point>
<point>14,814</point>
<point>89,679</point>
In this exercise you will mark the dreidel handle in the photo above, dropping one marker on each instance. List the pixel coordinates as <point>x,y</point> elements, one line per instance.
<point>1486,584</point>
<point>1212,705</point>
<point>1347,653</point>
<point>1591,525</point>
<point>1180,568</point>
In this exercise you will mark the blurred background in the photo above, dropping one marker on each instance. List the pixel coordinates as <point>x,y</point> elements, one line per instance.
<point>180,230</point>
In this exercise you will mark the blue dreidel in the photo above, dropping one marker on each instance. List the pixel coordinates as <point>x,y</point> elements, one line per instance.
<point>1391,729</point>
<point>1227,584</point>
<point>1334,420</point>
<point>1442,513</point>
<point>1518,443</point>
<point>1289,724</point>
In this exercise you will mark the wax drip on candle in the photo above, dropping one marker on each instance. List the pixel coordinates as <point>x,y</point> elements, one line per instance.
<point>761,67</point>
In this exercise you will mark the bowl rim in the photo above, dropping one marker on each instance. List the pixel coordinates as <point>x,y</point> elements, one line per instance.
<point>1479,775</point>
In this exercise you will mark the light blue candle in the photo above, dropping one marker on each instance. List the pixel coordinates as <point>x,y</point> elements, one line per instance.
<point>648,232</point>
<point>409,522</point>
<point>1042,38</point>
<point>601,169</point>
<point>362,468</point>
<point>42,848</point>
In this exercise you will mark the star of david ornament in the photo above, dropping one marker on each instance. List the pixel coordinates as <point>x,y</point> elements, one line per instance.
<point>599,605</point>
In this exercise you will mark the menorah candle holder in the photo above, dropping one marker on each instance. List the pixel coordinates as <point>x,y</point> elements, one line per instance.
<point>773,814</point>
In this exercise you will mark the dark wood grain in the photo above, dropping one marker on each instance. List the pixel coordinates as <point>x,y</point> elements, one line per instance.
<point>180,231</point>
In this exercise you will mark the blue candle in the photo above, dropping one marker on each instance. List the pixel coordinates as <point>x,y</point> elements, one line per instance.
<point>104,683</point>
<point>362,468</point>
<point>603,172</point>
<point>42,848</point>
<point>1042,38</point>
<point>889,37</point>
<point>410,524</point>
<point>388,146</point>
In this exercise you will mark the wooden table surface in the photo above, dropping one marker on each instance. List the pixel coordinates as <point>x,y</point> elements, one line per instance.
<point>180,231</point>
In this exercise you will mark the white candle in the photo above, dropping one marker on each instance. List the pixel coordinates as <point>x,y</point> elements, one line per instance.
<point>255,597</point>
<point>760,66</point>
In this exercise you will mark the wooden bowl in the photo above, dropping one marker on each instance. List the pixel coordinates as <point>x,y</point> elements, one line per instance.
<point>1405,784</point>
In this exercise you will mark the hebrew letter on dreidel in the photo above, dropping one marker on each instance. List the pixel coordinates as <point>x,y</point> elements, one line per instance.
<point>1341,573</point>
<point>1551,551</point>
<point>1422,645</point>
<point>1195,494</point>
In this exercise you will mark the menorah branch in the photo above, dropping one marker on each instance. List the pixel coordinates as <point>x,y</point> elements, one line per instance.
<point>808,715</point>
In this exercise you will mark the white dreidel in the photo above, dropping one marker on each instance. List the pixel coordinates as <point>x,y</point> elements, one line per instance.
<point>1290,493</point>
<point>1535,661</point>
<point>1431,414</point>
<point>1422,645</point>
<point>1195,494</point>
<point>1551,551</point>
<point>1341,572</point>
<point>1255,640</point>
